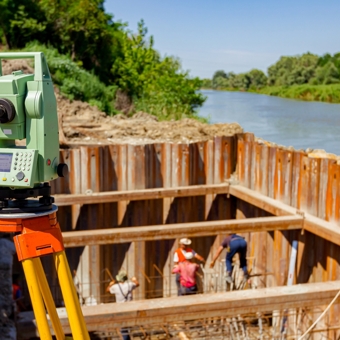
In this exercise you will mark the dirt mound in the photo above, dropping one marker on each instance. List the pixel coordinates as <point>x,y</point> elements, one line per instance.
<point>81,123</point>
<point>10,65</point>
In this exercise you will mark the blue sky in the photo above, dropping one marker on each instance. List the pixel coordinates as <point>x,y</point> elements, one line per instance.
<point>233,35</point>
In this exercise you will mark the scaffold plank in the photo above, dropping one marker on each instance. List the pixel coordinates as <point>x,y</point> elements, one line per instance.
<point>172,231</point>
<point>327,230</point>
<point>137,195</point>
<point>108,317</point>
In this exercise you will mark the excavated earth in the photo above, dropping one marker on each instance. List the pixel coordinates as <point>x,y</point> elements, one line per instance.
<point>81,123</point>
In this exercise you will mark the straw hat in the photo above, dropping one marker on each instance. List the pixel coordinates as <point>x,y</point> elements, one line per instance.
<point>122,276</point>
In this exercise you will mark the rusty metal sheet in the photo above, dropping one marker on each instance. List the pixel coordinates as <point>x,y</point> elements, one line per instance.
<point>329,190</point>
<point>284,171</point>
<point>262,158</point>
<point>296,179</point>
<point>310,179</point>
<point>244,157</point>
<point>272,168</point>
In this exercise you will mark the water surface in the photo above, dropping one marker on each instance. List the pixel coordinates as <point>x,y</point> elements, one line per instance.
<point>286,122</point>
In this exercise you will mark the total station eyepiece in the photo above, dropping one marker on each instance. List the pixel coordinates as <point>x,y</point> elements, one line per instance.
<point>7,111</point>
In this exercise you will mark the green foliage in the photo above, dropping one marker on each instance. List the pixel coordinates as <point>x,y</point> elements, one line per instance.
<point>171,97</point>
<point>219,79</point>
<point>293,70</point>
<point>324,93</point>
<point>326,74</point>
<point>219,83</point>
<point>306,77</point>
<point>82,29</point>
<point>206,83</point>
<point>91,56</point>
<point>255,79</point>
<point>158,86</point>
<point>74,82</point>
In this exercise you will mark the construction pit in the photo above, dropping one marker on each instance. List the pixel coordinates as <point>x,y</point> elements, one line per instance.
<point>136,186</point>
<point>126,206</point>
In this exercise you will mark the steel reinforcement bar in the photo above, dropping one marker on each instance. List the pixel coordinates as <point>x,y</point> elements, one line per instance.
<point>106,317</point>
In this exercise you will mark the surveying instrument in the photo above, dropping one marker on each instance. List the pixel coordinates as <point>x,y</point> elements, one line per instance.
<point>28,110</point>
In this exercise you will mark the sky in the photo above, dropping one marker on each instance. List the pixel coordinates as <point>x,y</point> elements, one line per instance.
<point>233,36</point>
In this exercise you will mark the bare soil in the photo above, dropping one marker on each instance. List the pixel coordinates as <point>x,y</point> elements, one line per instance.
<point>81,123</point>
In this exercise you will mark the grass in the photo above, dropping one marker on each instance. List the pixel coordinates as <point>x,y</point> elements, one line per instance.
<point>322,93</point>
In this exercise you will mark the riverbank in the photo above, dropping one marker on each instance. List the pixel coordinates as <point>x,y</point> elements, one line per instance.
<point>321,93</point>
<point>317,93</point>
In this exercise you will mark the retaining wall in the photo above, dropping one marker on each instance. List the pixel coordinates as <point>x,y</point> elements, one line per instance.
<point>307,183</point>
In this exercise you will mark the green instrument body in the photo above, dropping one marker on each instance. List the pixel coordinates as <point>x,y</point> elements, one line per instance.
<point>28,110</point>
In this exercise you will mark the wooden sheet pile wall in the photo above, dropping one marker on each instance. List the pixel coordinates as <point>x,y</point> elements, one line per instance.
<point>132,167</point>
<point>307,182</point>
<point>310,184</point>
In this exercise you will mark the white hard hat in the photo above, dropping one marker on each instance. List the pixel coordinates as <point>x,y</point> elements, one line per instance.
<point>188,255</point>
<point>185,241</point>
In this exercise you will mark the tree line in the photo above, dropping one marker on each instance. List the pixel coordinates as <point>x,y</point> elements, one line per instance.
<point>95,58</point>
<point>306,69</point>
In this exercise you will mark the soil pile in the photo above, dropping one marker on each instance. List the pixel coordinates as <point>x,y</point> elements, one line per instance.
<point>81,123</point>
<point>85,124</point>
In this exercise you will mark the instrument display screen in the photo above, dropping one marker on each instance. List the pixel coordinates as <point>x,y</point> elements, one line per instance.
<point>5,162</point>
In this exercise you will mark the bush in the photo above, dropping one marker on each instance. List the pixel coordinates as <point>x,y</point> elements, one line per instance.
<point>74,82</point>
<point>324,93</point>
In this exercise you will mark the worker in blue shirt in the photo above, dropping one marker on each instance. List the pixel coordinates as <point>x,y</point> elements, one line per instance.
<point>234,244</point>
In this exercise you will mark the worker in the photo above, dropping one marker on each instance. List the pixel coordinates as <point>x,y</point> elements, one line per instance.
<point>187,271</point>
<point>17,293</point>
<point>234,244</point>
<point>122,288</point>
<point>179,257</point>
<point>77,285</point>
<point>7,305</point>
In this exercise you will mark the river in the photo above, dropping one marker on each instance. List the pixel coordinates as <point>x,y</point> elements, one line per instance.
<point>286,122</point>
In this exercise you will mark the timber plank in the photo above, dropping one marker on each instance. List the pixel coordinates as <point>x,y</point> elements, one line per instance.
<point>327,230</point>
<point>172,231</point>
<point>137,195</point>
<point>107,317</point>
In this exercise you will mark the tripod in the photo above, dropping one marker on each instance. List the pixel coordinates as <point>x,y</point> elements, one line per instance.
<point>40,235</point>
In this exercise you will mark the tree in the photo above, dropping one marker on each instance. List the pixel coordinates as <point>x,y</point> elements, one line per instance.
<point>257,79</point>
<point>82,31</point>
<point>326,74</point>
<point>154,84</point>
<point>220,74</point>
<point>293,70</point>
<point>220,83</point>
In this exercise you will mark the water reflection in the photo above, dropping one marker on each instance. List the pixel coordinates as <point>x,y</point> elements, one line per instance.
<point>283,121</point>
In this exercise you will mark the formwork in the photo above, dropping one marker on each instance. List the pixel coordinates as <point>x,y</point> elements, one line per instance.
<point>306,184</point>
